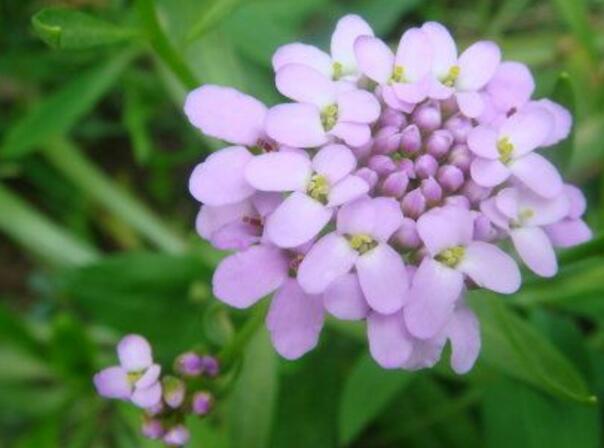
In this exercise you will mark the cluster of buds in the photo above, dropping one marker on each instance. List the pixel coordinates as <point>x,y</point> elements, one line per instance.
<point>382,192</point>
<point>166,400</point>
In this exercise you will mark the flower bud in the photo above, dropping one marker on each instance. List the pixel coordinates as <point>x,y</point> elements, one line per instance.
<point>474,192</point>
<point>152,429</point>
<point>189,364</point>
<point>413,204</point>
<point>428,116</point>
<point>382,165</point>
<point>211,366</point>
<point>177,436</point>
<point>174,391</point>
<point>432,191</point>
<point>407,235</point>
<point>395,184</point>
<point>425,166</point>
<point>156,409</point>
<point>439,142</point>
<point>411,139</point>
<point>368,175</point>
<point>408,167</point>
<point>483,229</point>
<point>458,201</point>
<point>202,403</point>
<point>391,117</point>
<point>461,157</point>
<point>387,140</point>
<point>460,127</point>
<point>450,178</point>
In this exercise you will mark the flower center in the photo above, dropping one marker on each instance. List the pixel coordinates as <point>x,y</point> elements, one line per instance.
<point>329,117</point>
<point>338,71</point>
<point>451,77</point>
<point>262,146</point>
<point>523,216</point>
<point>398,75</point>
<point>294,264</point>
<point>362,242</point>
<point>452,256</point>
<point>254,221</point>
<point>318,188</point>
<point>133,377</point>
<point>505,149</point>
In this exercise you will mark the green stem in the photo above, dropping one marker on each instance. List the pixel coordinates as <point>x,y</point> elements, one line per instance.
<point>162,46</point>
<point>232,351</point>
<point>70,161</point>
<point>39,235</point>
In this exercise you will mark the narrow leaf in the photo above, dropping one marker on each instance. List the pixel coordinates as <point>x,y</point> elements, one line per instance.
<point>564,94</point>
<point>367,391</point>
<point>517,349</point>
<point>68,29</point>
<point>58,113</point>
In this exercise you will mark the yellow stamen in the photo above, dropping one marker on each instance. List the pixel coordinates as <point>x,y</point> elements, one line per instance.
<point>329,117</point>
<point>318,188</point>
<point>452,256</point>
<point>451,77</point>
<point>338,71</point>
<point>505,149</point>
<point>362,243</point>
<point>398,75</point>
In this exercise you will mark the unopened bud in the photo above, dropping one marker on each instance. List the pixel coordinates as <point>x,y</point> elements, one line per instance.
<point>450,178</point>
<point>407,235</point>
<point>428,116</point>
<point>382,165</point>
<point>387,140</point>
<point>411,139</point>
<point>395,184</point>
<point>189,364</point>
<point>432,191</point>
<point>152,429</point>
<point>368,175</point>
<point>425,166</point>
<point>413,204</point>
<point>439,142</point>
<point>460,127</point>
<point>461,157</point>
<point>174,391</point>
<point>201,403</point>
<point>177,436</point>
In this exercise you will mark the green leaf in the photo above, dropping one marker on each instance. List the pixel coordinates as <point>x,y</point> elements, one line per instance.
<point>516,415</point>
<point>367,391</point>
<point>71,350</point>
<point>135,118</point>
<point>253,400</point>
<point>142,293</point>
<point>563,93</point>
<point>576,15</point>
<point>515,348</point>
<point>59,112</point>
<point>212,15</point>
<point>68,29</point>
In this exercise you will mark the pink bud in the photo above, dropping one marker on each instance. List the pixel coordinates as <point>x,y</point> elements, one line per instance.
<point>431,190</point>
<point>202,403</point>
<point>382,165</point>
<point>387,140</point>
<point>461,157</point>
<point>450,178</point>
<point>413,204</point>
<point>439,143</point>
<point>173,391</point>
<point>458,201</point>
<point>177,436</point>
<point>152,429</point>
<point>460,127</point>
<point>391,117</point>
<point>395,184</point>
<point>407,235</point>
<point>428,116</point>
<point>408,167</point>
<point>474,192</point>
<point>425,166</point>
<point>189,364</point>
<point>483,229</point>
<point>411,139</point>
<point>368,175</point>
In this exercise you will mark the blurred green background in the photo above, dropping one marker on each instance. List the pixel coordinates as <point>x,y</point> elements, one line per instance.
<point>97,241</point>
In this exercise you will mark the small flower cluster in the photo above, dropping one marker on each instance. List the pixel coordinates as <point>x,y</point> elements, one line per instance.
<point>166,400</point>
<point>380,193</point>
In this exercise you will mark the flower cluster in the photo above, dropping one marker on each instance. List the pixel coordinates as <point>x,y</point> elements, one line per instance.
<point>381,192</point>
<point>166,400</point>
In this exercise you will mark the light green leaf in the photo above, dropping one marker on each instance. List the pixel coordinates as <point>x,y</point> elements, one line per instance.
<point>212,15</point>
<point>59,112</point>
<point>68,29</point>
<point>135,120</point>
<point>517,349</point>
<point>516,415</point>
<point>367,391</point>
<point>576,15</point>
<point>253,399</point>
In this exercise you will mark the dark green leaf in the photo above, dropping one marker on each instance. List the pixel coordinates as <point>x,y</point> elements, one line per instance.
<point>143,293</point>
<point>367,391</point>
<point>251,406</point>
<point>68,29</point>
<point>516,415</point>
<point>135,120</point>
<point>71,350</point>
<point>514,347</point>
<point>57,114</point>
<point>564,94</point>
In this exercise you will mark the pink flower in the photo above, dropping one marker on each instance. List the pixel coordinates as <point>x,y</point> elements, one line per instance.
<point>227,114</point>
<point>463,76</point>
<point>341,64</point>
<point>571,230</point>
<point>295,318</point>
<point>318,186</point>
<point>404,73</point>
<point>135,378</point>
<point>509,151</point>
<point>447,233</point>
<point>361,242</point>
<point>324,110</point>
